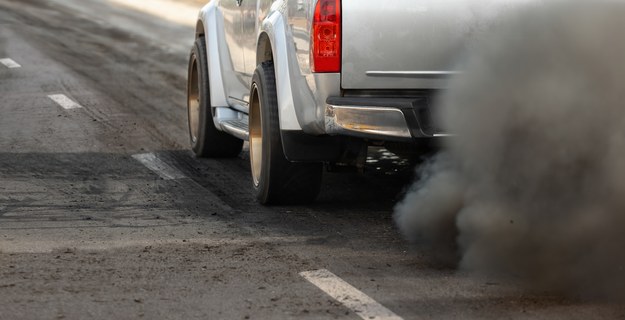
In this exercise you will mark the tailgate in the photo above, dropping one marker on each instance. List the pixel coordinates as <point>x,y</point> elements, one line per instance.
<point>410,44</point>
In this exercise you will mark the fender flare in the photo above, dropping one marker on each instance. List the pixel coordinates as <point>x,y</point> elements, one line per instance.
<point>212,29</point>
<point>275,27</point>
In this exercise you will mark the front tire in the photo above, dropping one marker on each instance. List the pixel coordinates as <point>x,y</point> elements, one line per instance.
<point>206,140</point>
<point>276,179</point>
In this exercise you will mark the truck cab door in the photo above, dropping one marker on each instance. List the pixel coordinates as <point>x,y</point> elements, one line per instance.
<point>249,25</point>
<point>232,21</point>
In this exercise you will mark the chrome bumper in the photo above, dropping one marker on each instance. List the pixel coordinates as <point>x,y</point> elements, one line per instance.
<point>382,118</point>
<point>367,122</point>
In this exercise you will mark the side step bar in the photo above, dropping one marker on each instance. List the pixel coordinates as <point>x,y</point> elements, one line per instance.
<point>236,127</point>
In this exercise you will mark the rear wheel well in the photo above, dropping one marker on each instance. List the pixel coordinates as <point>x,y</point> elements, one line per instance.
<point>199,29</point>
<point>264,52</point>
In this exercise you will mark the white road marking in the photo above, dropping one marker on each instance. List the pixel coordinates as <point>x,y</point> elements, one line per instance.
<point>10,63</point>
<point>354,299</point>
<point>152,162</point>
<point>64,101</point>
<point>170,10</point>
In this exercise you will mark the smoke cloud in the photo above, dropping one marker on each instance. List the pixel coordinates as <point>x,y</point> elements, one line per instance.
<point>533,184</point>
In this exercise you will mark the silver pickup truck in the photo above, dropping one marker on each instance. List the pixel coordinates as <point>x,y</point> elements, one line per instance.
<point>309,82</point>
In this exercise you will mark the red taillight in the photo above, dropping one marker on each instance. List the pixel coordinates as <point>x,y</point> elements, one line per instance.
<point>325,47</point>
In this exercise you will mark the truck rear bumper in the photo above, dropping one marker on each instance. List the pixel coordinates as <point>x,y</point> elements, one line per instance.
<point>389,119</point>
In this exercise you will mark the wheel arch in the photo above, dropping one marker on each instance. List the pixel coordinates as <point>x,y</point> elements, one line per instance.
<point>208,27</point>
<point>273,44</point>
<point>264,51</point>
<point>199,29</point>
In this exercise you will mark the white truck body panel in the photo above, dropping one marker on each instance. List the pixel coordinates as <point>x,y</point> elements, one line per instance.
<point>386,45</point>
<point>411,44</point>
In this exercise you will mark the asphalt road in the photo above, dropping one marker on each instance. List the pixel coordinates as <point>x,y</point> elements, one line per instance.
<point>88,231</point>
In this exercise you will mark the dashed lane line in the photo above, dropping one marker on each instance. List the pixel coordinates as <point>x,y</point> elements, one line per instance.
<point>171,10</point>
<point>10,63</point>
<point>354,299</point>
<point>64,101</point>
<point>152,162</point>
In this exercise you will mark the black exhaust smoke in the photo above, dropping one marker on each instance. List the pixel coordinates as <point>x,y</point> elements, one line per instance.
<point>533,184</point>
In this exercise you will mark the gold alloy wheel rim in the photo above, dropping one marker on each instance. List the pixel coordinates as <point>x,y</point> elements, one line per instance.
<point>256,135</point>
<point>193,102</point>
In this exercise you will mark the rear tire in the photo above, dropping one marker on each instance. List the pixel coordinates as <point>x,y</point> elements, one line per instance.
<point>276,179</point>
<point>206,140</point>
